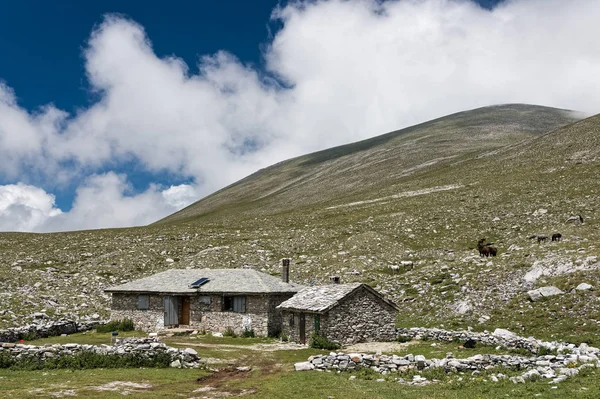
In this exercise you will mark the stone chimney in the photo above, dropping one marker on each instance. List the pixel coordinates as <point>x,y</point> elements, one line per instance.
<point>335,279</point>
<point>285,272</point>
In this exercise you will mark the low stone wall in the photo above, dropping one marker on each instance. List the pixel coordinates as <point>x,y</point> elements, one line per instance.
<point>45,329</point>
<point>186,358</point>
<point>556,367</point>
<point>499,337</point>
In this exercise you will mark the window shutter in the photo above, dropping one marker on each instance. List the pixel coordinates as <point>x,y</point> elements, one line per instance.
<point>143,302</point>
<point>239,304</point>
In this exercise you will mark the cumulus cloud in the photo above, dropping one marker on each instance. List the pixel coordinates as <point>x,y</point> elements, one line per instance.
<point>101,201</point>
<point>24,207</point>
<point>381,66</point>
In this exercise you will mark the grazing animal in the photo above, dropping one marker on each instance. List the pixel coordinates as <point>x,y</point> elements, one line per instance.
<point>556,237</point>
<point>486,249</point>
<point>540,237</point>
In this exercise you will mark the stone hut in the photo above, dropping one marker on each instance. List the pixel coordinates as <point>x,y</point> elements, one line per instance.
<point>343,313</point>
<point>205,299</point>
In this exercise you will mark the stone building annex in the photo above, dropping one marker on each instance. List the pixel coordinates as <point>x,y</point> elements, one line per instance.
<point>343,313</point>
<point>205,299</point>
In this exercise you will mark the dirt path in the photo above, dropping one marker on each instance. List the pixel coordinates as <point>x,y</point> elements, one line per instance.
<point>279,346</point>
<point>378,347</point>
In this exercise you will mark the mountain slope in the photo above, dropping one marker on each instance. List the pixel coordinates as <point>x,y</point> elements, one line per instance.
<point>505,189</point>
<point>373,165</point>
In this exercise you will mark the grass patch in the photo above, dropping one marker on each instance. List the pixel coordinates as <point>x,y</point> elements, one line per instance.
<point>116,325</point>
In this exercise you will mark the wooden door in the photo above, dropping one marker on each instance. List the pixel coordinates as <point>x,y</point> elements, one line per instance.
<point>184,317</point>
<point>171,311</point>
<point>302,327</point>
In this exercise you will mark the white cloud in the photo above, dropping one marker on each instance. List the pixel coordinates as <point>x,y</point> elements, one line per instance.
<point>101,201</point>
<point>24,207</point>
<point>351,70</point>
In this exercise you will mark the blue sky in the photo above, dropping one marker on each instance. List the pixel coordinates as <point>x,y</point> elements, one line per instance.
<point>117,113</point>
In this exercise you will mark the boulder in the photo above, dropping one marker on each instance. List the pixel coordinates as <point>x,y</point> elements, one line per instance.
<point>502,333</point>
<point>543,292</point>
<point>303,366</point>
<point>583,287</point>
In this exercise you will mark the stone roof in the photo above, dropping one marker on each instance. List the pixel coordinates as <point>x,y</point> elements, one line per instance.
<point>319,299</point>
<point>233,281</point>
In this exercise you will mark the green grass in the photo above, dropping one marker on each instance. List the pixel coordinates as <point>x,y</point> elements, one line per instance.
<point>35,384</point>
<point>89,338</point>
<point>271,377</point>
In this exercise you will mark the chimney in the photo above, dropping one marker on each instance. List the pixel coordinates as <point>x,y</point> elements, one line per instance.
<point>285,273</point>
<point>334,279</point>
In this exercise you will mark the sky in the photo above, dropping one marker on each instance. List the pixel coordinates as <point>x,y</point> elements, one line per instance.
<point>116,114</point>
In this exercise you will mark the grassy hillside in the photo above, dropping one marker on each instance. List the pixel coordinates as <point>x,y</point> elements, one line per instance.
<point>424,195</point>
<point>367,167</point>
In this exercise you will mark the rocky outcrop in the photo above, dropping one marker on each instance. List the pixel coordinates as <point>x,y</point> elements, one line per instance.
<point>146,347</point>
<point>43,328</point>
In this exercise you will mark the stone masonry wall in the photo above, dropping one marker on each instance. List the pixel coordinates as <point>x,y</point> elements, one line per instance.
<point>275,315</point>
<point>255,318</point>
<point>149,348</point>
<point>47,328</point>
<point>293,331</point>
<point>206,316</point>
<point>124,306</point>
<point>361,317</point>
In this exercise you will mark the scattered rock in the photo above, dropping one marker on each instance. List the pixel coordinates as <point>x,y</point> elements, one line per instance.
<point>583,287</point>
<point>542,292</point>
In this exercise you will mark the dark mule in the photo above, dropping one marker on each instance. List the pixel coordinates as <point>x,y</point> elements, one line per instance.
<point>556,237</point>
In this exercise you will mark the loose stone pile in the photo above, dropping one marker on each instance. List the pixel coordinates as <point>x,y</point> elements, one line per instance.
<point>147,347</point>
<point>44,328</point>
<point>499,337</point>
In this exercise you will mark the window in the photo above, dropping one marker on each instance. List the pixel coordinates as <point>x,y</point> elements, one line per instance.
<point>292,321</point>
<point>234,304</point>
<point>317,323</point>
<point>205,299</point>
<point>143,302</point>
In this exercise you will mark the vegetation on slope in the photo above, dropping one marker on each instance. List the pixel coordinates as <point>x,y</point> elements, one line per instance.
<point>357,214</point>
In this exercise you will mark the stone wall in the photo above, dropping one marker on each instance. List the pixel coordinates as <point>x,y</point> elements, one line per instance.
<point>46,328</point>
<point>500,337</point>
<point>292,330</point>
<point>275,315</point>
<point>205,313</point>
<point>256,316</point>
<point>555,367</point>
<point>124,306</point>
<point>361,317</point>
<point>186,358</point>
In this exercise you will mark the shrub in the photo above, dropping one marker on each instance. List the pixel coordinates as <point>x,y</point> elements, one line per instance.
<point>229,333</point>
<point>284,337</point>
<point>403,338</point>
<point>116,325</point>
<point>248,333</point>
<point>319,342</point>
<point>30,336</point>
